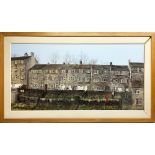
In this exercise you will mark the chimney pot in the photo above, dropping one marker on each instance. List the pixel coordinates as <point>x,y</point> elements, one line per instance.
<point>25,54</point>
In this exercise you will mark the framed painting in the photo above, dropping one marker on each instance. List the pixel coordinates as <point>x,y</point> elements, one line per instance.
<point>77,77</point>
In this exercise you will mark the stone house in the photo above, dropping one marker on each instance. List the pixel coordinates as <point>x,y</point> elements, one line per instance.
<point>19,69</point>
<point>137,82</point>
<point>70,76</point>
<point>119,78</point>
<point>79,77</point>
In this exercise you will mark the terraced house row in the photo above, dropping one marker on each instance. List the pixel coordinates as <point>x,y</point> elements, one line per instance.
<point>113,78</point>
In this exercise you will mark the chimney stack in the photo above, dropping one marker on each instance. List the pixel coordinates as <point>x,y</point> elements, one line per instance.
<point>80,62</point>
<point>110,63</point>
<point>25,54</point>
<point>129,61</point>
<point>32,54</point>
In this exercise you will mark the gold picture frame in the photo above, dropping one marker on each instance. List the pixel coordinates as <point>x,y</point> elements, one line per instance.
<point>147,38</point>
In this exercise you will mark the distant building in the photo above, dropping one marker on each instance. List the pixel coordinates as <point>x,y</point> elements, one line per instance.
<point>19,69</point>
<point>115,78</point>
<point>137,82</point>
<point>120,77</point>
<point>70,76</point>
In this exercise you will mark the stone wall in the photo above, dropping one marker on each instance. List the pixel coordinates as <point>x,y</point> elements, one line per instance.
<point>72,100</point>
<point>14,95</point>
<point>19,69</point>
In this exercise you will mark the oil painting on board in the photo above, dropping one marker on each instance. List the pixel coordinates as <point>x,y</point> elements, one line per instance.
<point>77,77</point>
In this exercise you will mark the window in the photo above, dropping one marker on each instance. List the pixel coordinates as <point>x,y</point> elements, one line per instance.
<point>51,78</point>
<point>80,70</point>
<point>56,85</point>
<point>87,79</point>
<point>142,69</point>
<point>88,71</point>
<point>72,71</point>
<point>98,88</point>
<point>63,71</point>
<point>137,91</point>
<point>117,72</point>
<point>16,62</point>
<point>53,71</point>
<point>122,80</point>
<point>96,80</point>
<point>80,79</point>
<point>125,80</point>
<point>104,80</point>
<point>76,71</point>
<point>22,70</point>
<point>124,73</point>
<point>115,80</point>
<point>62,78</point>
<point>35,85</point>
<point>134,69</point>
<point>138,101</point>
<point>96,71</point>
<point>40,71</point>
<point>46,71</point>
<point>52,86</point>
<point>15,70</point>
<point>34,77</point>
<point>72,78</point>
<point>22,62</point>
<point>105,71</point>
<point>16,66</point>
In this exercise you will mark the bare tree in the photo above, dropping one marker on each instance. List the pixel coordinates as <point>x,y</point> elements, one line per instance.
<point>37,58</point>
<point>93,61</point>
<point>67,59</point>
<point>74,59</point>
<point>15,55</point>
<point>54,58</point>
<point>83,58</point>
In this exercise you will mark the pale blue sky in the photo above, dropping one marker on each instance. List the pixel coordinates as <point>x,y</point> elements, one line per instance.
<point>118,54</point>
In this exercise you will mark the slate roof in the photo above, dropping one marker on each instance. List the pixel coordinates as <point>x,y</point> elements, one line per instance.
<point>119,68</point>
<point>20,58</point>
<point>136,64</point>
<point>70,66</point>
<point>83,66</point>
